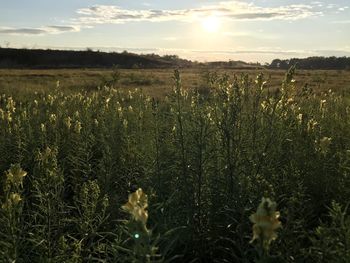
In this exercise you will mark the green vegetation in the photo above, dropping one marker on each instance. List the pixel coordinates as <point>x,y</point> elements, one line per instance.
<point>73,162</point>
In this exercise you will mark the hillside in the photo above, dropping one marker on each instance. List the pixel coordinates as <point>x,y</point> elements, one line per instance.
<point>47,58</point>
<point>39,58</point>
<point>43,59</point>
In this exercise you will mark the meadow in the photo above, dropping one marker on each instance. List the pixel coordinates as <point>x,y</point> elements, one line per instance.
<point>168,166</point>
<point>155,82</point>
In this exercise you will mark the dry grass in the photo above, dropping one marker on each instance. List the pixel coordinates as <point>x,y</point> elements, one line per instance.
<point>155,82</point>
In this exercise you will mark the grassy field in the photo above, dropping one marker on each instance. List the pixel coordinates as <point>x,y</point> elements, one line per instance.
<point>191,167</point>
<point>155,83</point>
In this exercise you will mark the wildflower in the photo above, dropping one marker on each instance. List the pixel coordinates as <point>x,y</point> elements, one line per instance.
<point>52,118</point>
<point>311,125</point>
<point>24,114</point>
<point>11,105</point>
<point>125,123</point>
<point>96,122</point>
<point>265,222</point>
<point>279,104</point>
<point>43,127</point>
<point>68,122</point>
<point>77,127</point>
<point>137,205</point>
<point>2,115</point>
<point>13,200</point>
<point>209,117</point>
<point>50,99</point>
<point>15,175</point>
<point>322,104</point>
<point>300,118</point>
<point>264,105</point>
<point>324,144</point>
<point>119,109</point>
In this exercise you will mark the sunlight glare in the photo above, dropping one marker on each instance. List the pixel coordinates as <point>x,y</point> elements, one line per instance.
<point>211,24</point>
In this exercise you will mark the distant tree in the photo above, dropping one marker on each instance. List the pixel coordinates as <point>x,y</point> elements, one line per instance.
<point>313,63</point>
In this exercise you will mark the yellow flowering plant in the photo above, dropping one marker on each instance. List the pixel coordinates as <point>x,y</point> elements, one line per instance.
<point>14,176</point>
<point>137,206</point>
<point>136,227</point>
<point>11,207</point>
<point>266,222</point>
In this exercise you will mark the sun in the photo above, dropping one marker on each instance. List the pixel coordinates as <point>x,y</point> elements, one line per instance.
<point>211,24</point>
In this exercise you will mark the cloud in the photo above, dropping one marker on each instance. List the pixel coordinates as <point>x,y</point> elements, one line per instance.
<point>231,10</point>
<point>341,22</point>
<point>39,31</point>
<point>170,38</point>
<point>343,8</point>
<point>21,31</point>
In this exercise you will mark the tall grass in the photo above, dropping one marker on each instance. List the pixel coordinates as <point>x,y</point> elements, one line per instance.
<point>204,156</point>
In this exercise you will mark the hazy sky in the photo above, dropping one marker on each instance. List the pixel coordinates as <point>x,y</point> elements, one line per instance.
<point>202,30</point>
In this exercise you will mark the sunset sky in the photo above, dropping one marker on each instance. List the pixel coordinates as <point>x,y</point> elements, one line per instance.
<point>194,29</point>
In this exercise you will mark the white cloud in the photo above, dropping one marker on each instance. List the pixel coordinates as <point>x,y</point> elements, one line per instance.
<point>259,34</point>
<point>232,10</point>
<point>170,38</point>
<point>317,3</point>
<point>38,31</point>
<point>341,22</point>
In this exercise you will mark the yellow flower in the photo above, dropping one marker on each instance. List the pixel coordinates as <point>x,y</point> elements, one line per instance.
<point>2,115</point>
<point>264,105</point>
<point>77,127</point>
<point>311,125</point>
<point>265,222</point>
<point>300,118</point>
<point>96,122</point>
<point>137,205</point>
<point>11,105</point>
<point>68,122</point>
<point>53,118</point>
<point>324,144</point>
<point>15,198</point>
<point>42,127</point>
<point>290,101</point>
<point>125,123</point>
<point>15,175</point>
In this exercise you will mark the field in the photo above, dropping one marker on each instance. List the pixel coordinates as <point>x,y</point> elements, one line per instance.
<point>155,82</point>
<point>167,166</point>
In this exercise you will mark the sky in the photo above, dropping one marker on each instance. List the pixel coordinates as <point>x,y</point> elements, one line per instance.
<point>202,30</point>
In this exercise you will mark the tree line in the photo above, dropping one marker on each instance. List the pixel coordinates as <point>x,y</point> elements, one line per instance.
<point>338,63</point>
<point>40,58</point>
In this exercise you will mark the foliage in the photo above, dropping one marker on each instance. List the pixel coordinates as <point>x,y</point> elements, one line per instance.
<point>204,156</point>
